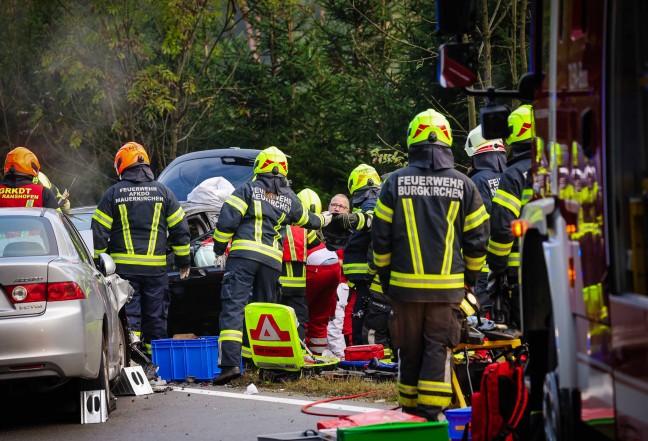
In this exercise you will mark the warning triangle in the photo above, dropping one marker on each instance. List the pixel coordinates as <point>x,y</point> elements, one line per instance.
<point>268,330</point>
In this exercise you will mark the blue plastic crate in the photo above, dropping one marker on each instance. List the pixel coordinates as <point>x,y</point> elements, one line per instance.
<point>179,359</point>
<point>457,420</point>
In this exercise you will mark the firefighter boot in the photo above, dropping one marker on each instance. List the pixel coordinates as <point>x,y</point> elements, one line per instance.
<point>228,374</point>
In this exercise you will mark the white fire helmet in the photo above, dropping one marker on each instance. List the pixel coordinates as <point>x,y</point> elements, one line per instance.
<point>476,144</point>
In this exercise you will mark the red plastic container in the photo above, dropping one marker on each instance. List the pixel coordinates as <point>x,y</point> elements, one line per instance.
<point>364,352</point>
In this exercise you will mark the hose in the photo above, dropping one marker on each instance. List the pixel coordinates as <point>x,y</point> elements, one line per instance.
<point>305,408</point>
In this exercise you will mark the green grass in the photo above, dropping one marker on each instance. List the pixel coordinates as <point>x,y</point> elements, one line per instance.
<point>323,385</point>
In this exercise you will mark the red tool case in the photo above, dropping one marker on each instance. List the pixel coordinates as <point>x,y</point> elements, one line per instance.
<point>364,352</point>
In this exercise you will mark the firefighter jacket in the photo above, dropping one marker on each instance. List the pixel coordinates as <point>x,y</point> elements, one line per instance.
<point>430,230</point>
<point>486,174</point>
<point>293,270</point>
<point>131,224</point>
<point>255,216</point>
<point>18,190</point>
<point>355,266</point>
<point>513,193</point>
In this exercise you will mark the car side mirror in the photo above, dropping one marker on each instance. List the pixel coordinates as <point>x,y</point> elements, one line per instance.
<point>107,265</point>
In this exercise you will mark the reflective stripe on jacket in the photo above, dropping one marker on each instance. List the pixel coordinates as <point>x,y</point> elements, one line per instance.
<point>256,221</point>
<point>513,193</point>
<point>131,224</point>
<point>429,228</point>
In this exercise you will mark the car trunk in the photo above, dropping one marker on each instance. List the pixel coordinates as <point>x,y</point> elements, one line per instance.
<point>23,275</point>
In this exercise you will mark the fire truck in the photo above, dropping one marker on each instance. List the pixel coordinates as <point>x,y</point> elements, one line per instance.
<point>584,260</point>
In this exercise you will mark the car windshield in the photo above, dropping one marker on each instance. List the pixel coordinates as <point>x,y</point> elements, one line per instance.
<point>188,174</point>
<point>22,236</point>
<point>81,221</point>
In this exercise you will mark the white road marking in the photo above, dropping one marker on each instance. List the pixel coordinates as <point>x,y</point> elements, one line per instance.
<point>292,401</point>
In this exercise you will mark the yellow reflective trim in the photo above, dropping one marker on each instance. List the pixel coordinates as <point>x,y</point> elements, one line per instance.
<point>507,200</point>
<point>467,308</point>
<point>154,228</point>
<point>434,386</point>
<point>258,221</point>
<point>278,237</point>
<point>175,217</point>
<point>527,194</point>
<point>514,259</point>
<point>237,203</point>
<point>383,212</point>
<point>181,250</point>
<point>246,352</point>
<point>434,400</point>
<point>355,268</point>
<point>427,281</point>
<point>138,259</point>
<point>219,236</point>
<point>103,218</point>
<point>293,282</point>
<point>231,335</point>
<point>474,263</point>
<point>312,236</point>
<point>381,260</point>
<point>249,245</point>
<point>291,244</point>
<point>499,249</point>
<point>407,395</point>
<point>30,203</point>
<point>446,267</point>
<point>361,221</point>
<point>97,252</point>
<point>475,219</point>
<point>128,242</point>
<point>412,235</point>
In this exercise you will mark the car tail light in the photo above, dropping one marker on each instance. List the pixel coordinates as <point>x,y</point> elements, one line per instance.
<point>33,292</point>
<point>64,291</point>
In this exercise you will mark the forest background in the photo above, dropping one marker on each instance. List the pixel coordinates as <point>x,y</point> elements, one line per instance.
<point>333,83</point>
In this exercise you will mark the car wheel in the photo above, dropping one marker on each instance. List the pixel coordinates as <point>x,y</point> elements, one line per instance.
<point>123,355</point>
<point>102,381</point>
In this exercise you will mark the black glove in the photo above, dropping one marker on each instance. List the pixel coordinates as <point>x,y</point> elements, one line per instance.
<point>347,221</point>
<point>496,283</point>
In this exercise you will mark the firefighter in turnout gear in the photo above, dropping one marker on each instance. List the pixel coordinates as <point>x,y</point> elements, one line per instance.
<point>429,233</point>
<point>254,218</point>
<point>488,161</point>
<point>364,186</point>
<point>293,269</point>
<point>513,193</point>
<point>17,188</point>
<point>61,198</point>
<point>133,222</point>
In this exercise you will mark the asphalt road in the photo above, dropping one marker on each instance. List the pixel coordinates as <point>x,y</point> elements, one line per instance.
<point>199,412</point>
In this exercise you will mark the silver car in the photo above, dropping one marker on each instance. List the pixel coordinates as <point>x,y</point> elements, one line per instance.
<point>59,316</point>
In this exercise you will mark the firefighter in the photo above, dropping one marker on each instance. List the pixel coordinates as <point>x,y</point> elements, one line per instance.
<point>63,199</point>
<point>133,222</point>
<point>430,231</point>
<point>293,269</point>
<point>513,193</point>
<point>364,186</point>
<point>254,218</point>
<point>17,188</point>
<point>488,161</point>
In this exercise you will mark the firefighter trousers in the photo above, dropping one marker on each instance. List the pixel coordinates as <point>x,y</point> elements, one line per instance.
<point>244,281</point>
<point>424,335</point>
<point>148,309</point>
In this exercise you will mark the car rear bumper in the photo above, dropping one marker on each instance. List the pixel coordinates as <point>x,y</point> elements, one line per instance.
<point>63,342</point>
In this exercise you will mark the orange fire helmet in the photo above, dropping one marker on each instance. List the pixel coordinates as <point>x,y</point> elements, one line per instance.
<point>22,160</point>
<point>130,154</point>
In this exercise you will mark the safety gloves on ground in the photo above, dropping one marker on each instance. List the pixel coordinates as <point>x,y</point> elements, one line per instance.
<point>328,216</point>
<point>184,272</point>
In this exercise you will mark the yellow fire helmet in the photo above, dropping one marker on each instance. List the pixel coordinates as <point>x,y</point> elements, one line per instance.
<point>430,126</point>
<point>271,160</point>
<point>310,200</point>
<point>476,144</point>
<point>361,176</point>
<point>521,124</point>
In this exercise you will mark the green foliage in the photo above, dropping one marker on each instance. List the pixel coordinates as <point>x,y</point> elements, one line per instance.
<point>331,82</point>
